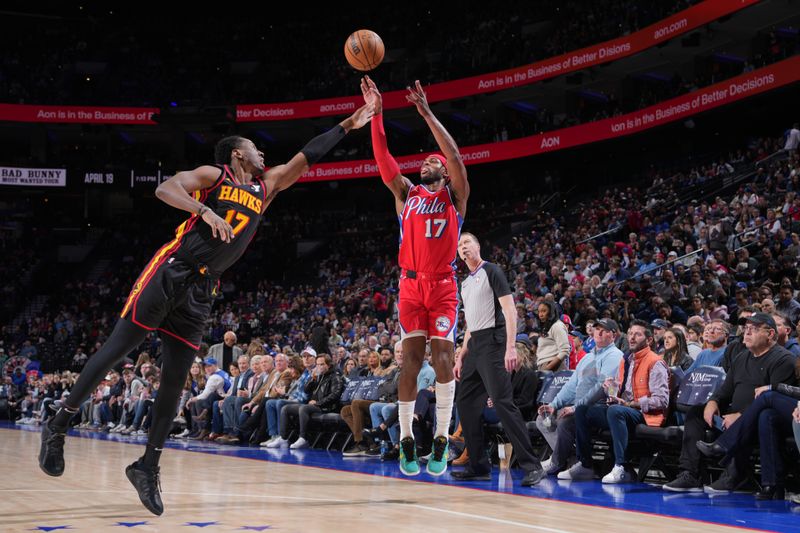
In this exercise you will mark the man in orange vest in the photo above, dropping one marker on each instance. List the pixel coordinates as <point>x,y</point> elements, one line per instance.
<point>643,398</point>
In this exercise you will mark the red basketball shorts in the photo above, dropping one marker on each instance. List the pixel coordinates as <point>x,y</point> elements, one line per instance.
<point>428,306</point>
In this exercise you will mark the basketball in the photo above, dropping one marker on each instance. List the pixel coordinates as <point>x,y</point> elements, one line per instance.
<point>364,50</point>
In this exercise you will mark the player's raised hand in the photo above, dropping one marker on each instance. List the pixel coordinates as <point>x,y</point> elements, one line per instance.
<point>358,119</point>
<point>371,94</point>
<point>418,97</point>
<point>219,228</point>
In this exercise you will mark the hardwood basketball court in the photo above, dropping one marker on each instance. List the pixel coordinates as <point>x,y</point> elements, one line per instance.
<point>248,489</point>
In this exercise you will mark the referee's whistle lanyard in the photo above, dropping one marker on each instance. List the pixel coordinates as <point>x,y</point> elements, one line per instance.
<point>472,272</point>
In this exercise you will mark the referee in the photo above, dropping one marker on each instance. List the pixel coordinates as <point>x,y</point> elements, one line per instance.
<point>484,364</point>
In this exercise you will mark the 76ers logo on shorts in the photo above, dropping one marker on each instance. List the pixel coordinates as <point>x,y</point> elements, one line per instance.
<point>443,324</point>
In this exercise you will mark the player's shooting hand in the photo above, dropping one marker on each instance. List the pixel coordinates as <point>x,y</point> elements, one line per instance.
<point>418,97</point>
<point>371,94</point>
<point>219,228</point>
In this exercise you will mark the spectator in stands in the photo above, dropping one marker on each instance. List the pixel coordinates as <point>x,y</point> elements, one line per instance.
<point>226,352</point>
<point>766,421</point>
<point>639,394</point>
<point>675,351</point>
<point>384,410</point>
<point>785,330</point>
<point>324,389</point>
<point>348,368</point>
<point>240,373</point>
<point>250,418</point>
<point>387,359</point>
<point>524,382</point>
<point>251,372</point>
<point>195,383</point>
<point>715,337</point>
<point>583,388</point>
<point>659,327</point>
<point>143,359</point>
<point>354,416</point>
<point>787,305</point>
<point>552,343</point>
<point>79,359</point>
<point>764,363</point>
<point>218,382</point>
<point>736,345</point>
<point>130,395</point>
<point>296,394</point>
<point>694,338</point>
<point>362,364</point>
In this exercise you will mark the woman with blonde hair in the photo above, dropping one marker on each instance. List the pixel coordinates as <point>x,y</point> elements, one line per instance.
<point>255,348</point>
<point>144,357</point>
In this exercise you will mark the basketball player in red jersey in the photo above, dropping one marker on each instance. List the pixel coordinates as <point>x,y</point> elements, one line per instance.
<point>430,216</point>
<point>175,291</point>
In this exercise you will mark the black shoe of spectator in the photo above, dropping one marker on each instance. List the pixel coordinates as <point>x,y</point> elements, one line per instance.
<point>726,484</point>
<point>685,482</point>
<point>391,455</point>
<point>771,492</point>
<point>51,453</point>
<point>469,475</point>
<point>533,477</point>
<point>357,449</point>
<point>374,451</point>
<point>147,483</point>
<point>711,449</point>
<point>376,434</point>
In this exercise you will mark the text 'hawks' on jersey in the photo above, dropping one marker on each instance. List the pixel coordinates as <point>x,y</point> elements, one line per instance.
<point>240,205</point>
<point>430,226</point>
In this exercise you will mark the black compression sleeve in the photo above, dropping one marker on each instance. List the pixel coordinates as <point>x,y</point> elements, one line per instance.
<point>321,144</point>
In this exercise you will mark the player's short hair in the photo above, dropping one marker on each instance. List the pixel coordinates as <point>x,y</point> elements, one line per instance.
<point>223,149</point>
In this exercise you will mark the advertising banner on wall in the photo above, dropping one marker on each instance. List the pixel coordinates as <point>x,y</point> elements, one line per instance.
<point>663,30</point>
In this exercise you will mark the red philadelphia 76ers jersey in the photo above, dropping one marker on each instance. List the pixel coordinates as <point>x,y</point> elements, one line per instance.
<point>430,227</point>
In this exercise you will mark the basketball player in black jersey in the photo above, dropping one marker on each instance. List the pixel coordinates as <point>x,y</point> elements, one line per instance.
<point>175,291</point>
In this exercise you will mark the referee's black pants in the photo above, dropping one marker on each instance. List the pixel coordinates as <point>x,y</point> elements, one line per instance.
<point>483,375</point>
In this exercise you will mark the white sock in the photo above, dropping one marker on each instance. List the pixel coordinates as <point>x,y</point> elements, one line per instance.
<point>444,407</point>
<point>405,415</point>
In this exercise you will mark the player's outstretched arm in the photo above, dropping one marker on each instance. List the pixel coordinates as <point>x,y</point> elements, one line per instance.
<point>387,166</point>
<point>284,176</point>
<point>177,192</point>
<point>455,165</point>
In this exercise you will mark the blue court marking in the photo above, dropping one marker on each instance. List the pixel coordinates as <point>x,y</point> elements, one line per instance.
<point>736,510</point>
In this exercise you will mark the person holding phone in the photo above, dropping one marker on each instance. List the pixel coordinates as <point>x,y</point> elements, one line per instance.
<point>642,397</point>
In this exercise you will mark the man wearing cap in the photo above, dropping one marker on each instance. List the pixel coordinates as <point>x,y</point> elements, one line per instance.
<point>660,326</point>
<point>485,363</point>
<point>765,363</point>
<point>637,394</point>
<point>583,388</point>
<point>217,384</point>
<point>768,417</point>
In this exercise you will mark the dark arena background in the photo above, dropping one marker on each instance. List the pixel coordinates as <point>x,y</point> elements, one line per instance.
<point>633,170</point>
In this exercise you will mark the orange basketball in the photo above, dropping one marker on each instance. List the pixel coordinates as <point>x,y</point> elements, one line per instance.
<point>364,50</point>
